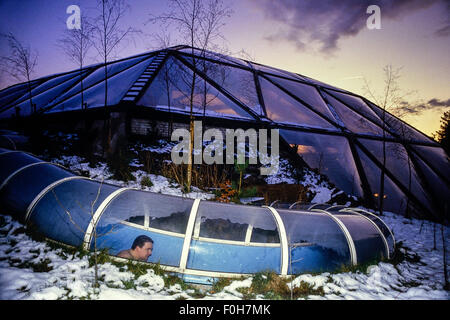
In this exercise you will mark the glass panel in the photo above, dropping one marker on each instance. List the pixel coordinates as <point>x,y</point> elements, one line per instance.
<point>11,94</point>
<point>12,89</point>
<point>357,104</point>
<point>13,161</point>
<point>163,212</point>
<point>438,188</point>
<point>399,164</point>
<point>41,100</point>
<point>353,121</point>
<point>275,71</point>
<point>231,222</point>
<point>316,242</point>
<point>280,107</point>
<point>331,155</point>
<point>171,89</point>
<point>236,81</point>
<point>368,242</point>
<point>214,56</point>
<point>95,96</point>
<point>99,75</point>
<point>24,186</point>
<point>383,228</point>
<point>233,258</point>
<point>307,93</point>
<point>320,83</point>
<point>48,85</point>
<point>437,158</point>
<point>117,237</point>
<point>7,143</point>
<point>394,199</point>
<point>404,130</point>
<point>64,213</point>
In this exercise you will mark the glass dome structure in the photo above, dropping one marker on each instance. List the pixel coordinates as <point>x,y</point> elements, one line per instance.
<point>200,240</point>
<point>337,132</point>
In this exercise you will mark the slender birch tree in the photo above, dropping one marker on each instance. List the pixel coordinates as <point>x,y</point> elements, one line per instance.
<point>199,24</point>
<point>20,63</point>
<point>108,34</point>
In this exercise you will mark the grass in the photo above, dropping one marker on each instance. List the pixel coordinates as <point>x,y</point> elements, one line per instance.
<point>269,285</point>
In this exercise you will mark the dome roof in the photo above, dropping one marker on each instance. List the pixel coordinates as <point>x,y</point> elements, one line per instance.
<point>335,131</point>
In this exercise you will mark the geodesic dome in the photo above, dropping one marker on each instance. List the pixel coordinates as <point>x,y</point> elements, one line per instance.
<point>335,131</point>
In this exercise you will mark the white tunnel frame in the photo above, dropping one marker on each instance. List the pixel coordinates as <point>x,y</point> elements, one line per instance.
<point>190,229</point>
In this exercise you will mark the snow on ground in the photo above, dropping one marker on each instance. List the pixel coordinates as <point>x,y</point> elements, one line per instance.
<point>160,183</point>
<point>66,276</point>
<point>422,279</point>
<point>70,277</point>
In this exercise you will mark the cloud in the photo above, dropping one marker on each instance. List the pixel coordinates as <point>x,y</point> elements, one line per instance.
<point>323,23</point>
<point>443,32</point>
<point>417,108</point>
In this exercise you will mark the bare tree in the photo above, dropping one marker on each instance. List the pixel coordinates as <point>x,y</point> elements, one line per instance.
<point>107,35</point>
<point>199,24</point>
<point>390,97</point>
<point>20,63</point>
<point>76,43</point>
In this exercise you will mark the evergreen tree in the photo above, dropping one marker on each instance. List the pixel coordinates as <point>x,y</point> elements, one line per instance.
<point>443,134</point>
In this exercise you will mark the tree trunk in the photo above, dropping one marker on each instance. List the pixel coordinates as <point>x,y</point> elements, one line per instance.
<point>444,244</point>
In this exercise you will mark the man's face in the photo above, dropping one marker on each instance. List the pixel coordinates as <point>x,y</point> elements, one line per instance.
<point>145,251</point>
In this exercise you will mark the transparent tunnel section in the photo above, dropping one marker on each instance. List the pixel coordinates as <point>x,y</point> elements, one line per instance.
<point>366,237</point>
<point>387,233</point>
<point>133,212</point>
<point>18,193</point>
<point>12,160</point>
<point>234,238</point>
<point>316,242</point>
<point>65,211</point>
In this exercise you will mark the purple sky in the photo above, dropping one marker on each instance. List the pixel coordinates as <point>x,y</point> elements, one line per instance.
<point>327,40</point>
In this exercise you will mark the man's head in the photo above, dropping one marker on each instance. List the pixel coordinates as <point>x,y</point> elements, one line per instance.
<point>142,247</point>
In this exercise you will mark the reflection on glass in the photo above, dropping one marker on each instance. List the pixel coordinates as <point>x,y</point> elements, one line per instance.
<point>172,88</point>
<point>368,242</point>
<point>394,199</point>
<point>157,211</point>
<point>357,104</point>
<point>352,120</point>
<point>236,222</point>
<point>400,165</point>
<point>281,107</point>
<point>316,242</point>
<point>331,155</point>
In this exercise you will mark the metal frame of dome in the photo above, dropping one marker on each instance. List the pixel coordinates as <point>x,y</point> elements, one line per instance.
<point>429,206</point>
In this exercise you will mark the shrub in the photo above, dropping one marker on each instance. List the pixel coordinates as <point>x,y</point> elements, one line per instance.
<point>146,182</point>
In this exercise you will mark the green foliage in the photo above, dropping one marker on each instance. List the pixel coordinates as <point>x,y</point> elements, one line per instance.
<point>443,134</point>
<point>102,257</point>
<point>272,286</point>
<point>219,284</point>
<point>241,167</point>
<point>249,192</point>
<point>146,182</point>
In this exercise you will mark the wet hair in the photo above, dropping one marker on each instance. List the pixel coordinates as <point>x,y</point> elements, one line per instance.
<point>140,241</point>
